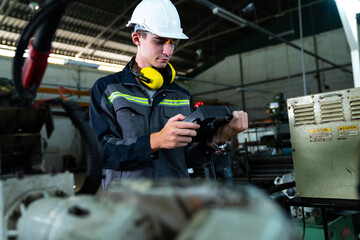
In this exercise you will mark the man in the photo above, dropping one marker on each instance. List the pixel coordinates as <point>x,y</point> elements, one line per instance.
<point>139,120</point>
<point>222,162</point>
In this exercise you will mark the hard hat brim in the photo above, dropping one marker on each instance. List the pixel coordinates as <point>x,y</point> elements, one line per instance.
<point>164,35</point>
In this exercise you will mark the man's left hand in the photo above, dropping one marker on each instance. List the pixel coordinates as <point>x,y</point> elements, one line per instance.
<point>238,123</point>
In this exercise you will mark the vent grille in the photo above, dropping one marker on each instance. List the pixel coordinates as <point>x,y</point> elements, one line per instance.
<point>355,108</point>
<point>304,114</point>
<point>331,111</point>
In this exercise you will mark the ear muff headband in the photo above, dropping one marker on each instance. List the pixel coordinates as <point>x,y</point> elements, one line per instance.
<point>153,78</point>
<point>173,73</point>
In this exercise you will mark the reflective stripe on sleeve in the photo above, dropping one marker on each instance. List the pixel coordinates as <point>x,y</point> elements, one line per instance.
<point>115,95</point>
<point>145,101</point>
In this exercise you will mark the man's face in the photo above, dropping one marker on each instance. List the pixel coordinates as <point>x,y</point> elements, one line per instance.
<point>154,51</point>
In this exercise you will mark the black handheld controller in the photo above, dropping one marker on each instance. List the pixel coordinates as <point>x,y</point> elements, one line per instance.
<point>210,118</point>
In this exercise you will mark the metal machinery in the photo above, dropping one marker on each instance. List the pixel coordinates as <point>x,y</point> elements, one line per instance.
<point>266,150</point>
<point>326,155</point>
<point>325,139</point>
<point>43,206</point>
<point>277,109</point>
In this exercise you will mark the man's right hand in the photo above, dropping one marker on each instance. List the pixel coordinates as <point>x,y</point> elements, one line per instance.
<point>176,133</point>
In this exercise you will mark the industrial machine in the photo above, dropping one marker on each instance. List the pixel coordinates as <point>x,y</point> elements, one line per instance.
<point>44,207</point>
<point>325,139</point>
<point>326,157</point>
<point>277,109</point>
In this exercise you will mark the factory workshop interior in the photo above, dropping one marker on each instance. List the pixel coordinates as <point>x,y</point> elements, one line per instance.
<point>292,65</point>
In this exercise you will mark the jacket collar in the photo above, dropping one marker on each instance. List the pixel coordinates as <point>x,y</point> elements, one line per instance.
<point>128,76</point>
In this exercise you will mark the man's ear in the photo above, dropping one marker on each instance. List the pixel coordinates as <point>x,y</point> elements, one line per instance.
<point>136,38</point>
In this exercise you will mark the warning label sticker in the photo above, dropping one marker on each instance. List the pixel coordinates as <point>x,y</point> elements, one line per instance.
<point>346,131</point>
<point>320,135</point>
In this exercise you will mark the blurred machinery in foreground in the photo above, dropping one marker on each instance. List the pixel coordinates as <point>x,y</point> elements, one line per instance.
<point>43,207</point>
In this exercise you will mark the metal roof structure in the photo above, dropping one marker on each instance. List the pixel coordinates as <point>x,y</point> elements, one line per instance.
<point>95,30</point>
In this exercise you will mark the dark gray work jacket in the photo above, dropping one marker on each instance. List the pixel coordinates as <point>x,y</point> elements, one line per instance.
<point>123,117</point>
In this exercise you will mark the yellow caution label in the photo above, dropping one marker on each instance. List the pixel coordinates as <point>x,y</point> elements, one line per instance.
<point>320,130</point>
<point>348,127</point>
<point>320,135</point>
<point>346,131</point>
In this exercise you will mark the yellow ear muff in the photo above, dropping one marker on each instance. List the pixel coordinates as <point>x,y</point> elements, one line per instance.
<point>173,73</point>
<point>154,79</point>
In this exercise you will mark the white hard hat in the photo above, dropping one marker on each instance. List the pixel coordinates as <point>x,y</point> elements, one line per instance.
<point>159,17</point>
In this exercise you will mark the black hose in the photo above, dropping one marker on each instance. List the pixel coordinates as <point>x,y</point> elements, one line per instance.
<point>280,187</point>
<point>92,149</point>
<point>41,17</point>
<point>45,32</point>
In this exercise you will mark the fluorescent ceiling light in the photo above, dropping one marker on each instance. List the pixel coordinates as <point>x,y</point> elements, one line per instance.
<point>9,51</point>
<point>34,6</point>
<point>110,68</point>
<point>229,16</point>
<point>249,8</point>
<point>80,63</point>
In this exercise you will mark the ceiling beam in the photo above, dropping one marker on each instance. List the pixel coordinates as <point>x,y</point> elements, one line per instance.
<point>239,27</point>
<point>241,21</point>
<point>131,6</point>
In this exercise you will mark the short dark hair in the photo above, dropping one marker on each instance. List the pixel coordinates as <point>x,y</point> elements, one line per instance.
<point>142,33</point>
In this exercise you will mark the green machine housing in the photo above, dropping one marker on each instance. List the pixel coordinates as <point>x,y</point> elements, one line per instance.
<point>325,139</point>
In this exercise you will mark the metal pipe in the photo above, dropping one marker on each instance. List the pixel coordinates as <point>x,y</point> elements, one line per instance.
<point>316,52</point>
<point>218,84</point>
<point>288,70</point>
<point>242,83</point>
<point>8,11</point>
<point>192,42</point>
<point>104,30</point>
<point>325,223</point>
<point>204,81</point>
<point>238,20</point>
<point>302,47</point>
<point>268,81</point>
<point>3,5</point>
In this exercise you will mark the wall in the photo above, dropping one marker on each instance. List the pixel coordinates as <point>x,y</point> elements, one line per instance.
<point>74,78</point>
<point>275,62</point>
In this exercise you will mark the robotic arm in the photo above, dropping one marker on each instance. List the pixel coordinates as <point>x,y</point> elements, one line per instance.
<point>43,26</point>
<point>28,76</point>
